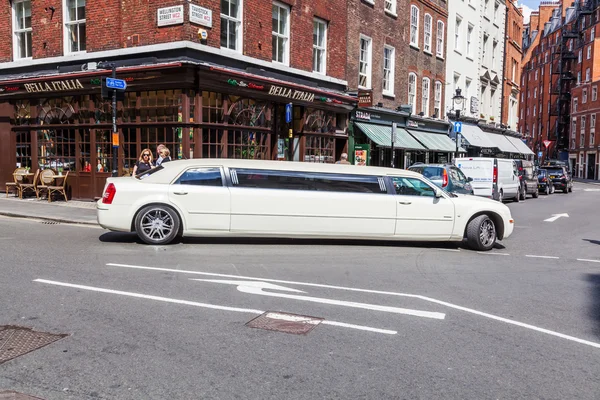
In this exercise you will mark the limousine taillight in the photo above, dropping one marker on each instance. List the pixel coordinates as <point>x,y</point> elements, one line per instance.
<point>109,194</point>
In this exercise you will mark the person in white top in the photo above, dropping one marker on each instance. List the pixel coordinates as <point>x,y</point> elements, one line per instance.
<point>158,154</point>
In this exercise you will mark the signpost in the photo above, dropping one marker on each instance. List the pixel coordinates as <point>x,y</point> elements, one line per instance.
<point>457,132</point>
<point>394,129</point>
<point>116,85</point>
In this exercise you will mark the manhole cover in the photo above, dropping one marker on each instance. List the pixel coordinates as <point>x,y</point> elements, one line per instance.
<point>285,322</point>
<point>11,395</point>
<point>17,340</point>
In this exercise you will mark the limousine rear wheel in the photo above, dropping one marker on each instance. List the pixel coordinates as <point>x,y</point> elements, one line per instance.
<point>157,224</point>
<point>481,233</point>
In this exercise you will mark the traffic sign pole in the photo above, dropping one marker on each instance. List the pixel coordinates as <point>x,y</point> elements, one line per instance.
<point>115,134</point>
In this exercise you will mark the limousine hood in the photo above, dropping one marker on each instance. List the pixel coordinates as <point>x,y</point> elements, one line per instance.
<point>481,202</point>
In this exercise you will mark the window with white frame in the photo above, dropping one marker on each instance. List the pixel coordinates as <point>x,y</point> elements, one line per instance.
<point>231,21</point>
<point>514,70</point>
<point>364,64</point>
<point>425,91</point>
<point>536,74</point>
<point>281,33</point>
<point>484,46</point>
<point>469,48</point>
<point>412,91</point>
<point>589,52</point>
<point>496,6</point>
<point>389,54</point>
<point>594,93</point>
<point>579,77</point>
<point>414,26</point>
<point>75,25</point>
<point>390,6</point>
<point>584,96</point>
<point>319,46</point>
<point>580,56</point>
<point>22,28</point>
<point>587,75</point>
<point>535,93</point>
<point>592,128</point>
<point>457,28</point>
<point>582,132</point>
<point>575,103</point>
<point>427,22</point>
<point>439,51</point>
<point>437,104</point>
<point>494,55</point>
<point>593,33</point>
<point>573,128</point>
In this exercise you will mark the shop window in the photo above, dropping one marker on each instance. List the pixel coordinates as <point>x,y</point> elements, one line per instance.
<point>130,150</point>
<point>319,149</point>
<point>75,26</point>
<point>56,145</point>
<point>23,140</point>
<point>252,139</point>
<point>22,28</point>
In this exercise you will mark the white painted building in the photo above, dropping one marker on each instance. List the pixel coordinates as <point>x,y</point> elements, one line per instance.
<point>475,56</point>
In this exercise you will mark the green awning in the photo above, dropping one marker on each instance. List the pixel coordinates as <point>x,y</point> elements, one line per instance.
<point>382,136</point>
<point>436,141</point>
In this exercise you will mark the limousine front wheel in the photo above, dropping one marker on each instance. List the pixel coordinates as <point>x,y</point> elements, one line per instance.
<point>481,233</point>
<point>157,224</point>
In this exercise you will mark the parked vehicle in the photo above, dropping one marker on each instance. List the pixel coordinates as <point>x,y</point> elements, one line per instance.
<point>446,176</point>
<point>560,176</point>
<point>545,184</point>
<point>494,178</point>
<point>208,197</point>
<point>528,179</point>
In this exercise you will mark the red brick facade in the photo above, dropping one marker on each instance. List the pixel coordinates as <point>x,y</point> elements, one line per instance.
<point>512,68</point>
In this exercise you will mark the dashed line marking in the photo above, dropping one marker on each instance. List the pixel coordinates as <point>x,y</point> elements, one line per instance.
<point>586,260</point>
<point>487,253</point>
<point>550,257</point>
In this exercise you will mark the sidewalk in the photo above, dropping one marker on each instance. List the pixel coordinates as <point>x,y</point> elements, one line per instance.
<point>77,212</point>
<point>586,181</point>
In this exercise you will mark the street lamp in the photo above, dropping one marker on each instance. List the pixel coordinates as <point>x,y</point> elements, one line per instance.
<point>458,101</point>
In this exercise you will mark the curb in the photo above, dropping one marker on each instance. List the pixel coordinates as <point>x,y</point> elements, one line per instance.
<point>59,220</point>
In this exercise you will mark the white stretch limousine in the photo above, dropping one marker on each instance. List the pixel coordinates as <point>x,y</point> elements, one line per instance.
<point>217,197</point>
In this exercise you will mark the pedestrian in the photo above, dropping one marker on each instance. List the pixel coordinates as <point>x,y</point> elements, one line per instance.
<point>343,159</point>
<point>99,166</point>
<point>158,156</point>
<point>144,163</point>
<point>165,156</point>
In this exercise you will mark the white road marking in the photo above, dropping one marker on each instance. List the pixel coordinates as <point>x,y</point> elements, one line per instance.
<point>488,253</point>
<point>554,217</point>
<point>414,296</point>
<point>454,250</point>
<point>551,257</point>
<point>587,260</point>
<point>258,287</point>
<point>204,305</point>
<point>591,190</point>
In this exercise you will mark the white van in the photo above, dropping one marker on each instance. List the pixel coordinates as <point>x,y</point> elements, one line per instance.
<point>494,178</point>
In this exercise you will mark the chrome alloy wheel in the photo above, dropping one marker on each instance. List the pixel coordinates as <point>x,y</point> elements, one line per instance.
<point>487,233</point>
<point>157,224</point>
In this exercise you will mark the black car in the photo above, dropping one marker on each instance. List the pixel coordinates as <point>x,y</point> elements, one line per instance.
<point>545,184</point>
<point>446,176</point>
<point>528,179</point>
<point>560,176</point>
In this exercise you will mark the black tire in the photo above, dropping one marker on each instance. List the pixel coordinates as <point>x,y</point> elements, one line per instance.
<point>501,196</point>
<point>518,196</point>
<point>536,194</point>
<point>552,190</point>
<point>481,233</point>
<point>548,190</point>
<point>570,189</point>
<point>566,191</point>
<point>157,224</point>
<point>523,193</point>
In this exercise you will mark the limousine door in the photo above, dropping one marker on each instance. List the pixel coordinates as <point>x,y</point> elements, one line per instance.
<point>421,215</point>
<point>204,200</point>
<point>310,204</point>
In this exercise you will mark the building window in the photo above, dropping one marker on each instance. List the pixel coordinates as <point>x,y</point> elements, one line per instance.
<point>22,28</point>
<point>582,133</point>
<point>587,75</point>
<point>320,46</point>
<point>594,93</point>
<point>427,33</point>
<point>494,50</point>
<point>536,75</point>
<point>584,96</point>
<point>388,70</point>
<point>593,34</point>
<point>484,49</point>
<point>414,26</point>
<point>364,67</point>
<point>281,33</point>
<point>589,52</point>
<point>390,6</point>
<point>514,70</point>
<point>440,39</point>
<point>75,25</point>
<point>412,90</point>
<point>579,77</point>
<point>470,40</point>
<point>425,89</point>
<point>575,102</point>
<point>231,20</point>
<point>437,106</point>
<point>457,34</point>
<point>580,56</point>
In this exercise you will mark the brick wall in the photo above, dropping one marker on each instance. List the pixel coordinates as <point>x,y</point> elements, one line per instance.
<point>513,52</point>
<point>5,32</point>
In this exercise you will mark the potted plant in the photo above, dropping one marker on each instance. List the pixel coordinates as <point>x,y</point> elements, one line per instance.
<point>492,118</point>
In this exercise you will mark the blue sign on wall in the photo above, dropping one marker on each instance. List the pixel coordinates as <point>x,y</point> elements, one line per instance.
<point>458,127</point>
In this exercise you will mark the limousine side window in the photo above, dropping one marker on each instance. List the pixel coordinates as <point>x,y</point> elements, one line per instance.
<point>316,181</point>
<point>412,187</point>
<point>201,177</point>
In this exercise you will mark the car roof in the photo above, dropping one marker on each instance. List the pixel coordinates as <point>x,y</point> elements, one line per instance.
<point>172,168</point>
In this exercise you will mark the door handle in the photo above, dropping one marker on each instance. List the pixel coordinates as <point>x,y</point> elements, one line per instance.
<point>405,202</point>
<point>180,193</point>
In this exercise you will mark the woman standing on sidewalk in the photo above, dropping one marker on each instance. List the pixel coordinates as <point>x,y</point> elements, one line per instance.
<point>144,163</point>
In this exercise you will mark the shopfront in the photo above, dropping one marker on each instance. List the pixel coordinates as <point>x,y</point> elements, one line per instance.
<point>63,123</point>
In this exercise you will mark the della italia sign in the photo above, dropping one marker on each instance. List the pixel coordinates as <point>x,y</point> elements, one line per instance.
<point>53,86</point>
<point>291,93</point>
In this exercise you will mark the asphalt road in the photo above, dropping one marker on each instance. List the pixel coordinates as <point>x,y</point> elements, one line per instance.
<point>401,321</point>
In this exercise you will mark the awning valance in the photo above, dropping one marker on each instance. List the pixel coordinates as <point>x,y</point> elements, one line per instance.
<point>476,137</point>
<point>382,136</point>
<point>503,143</point>
<point>436,141</point>
<point>522,147</point>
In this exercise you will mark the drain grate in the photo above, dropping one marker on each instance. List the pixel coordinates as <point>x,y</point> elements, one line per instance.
<point>12,395</point>
<point>50,222</point>
<point>18,340</point>
<point>285,322</point>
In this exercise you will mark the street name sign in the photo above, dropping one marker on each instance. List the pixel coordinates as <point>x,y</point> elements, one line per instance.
<point>118,84</point>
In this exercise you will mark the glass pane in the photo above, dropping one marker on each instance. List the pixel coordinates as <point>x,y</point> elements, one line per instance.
<point>282,21</point>
<point>72,32</point>
<point>82,37</point>
<point>28,45</point>
<point>71,10</point>
<point>274,46</point>
<point>232,35</point>
<point>234,9</point>
<point>225,7</point>
<point>224,26</point>
<point>81,9</point>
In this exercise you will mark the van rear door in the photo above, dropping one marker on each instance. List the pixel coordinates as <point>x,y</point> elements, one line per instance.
<point>482,172</point>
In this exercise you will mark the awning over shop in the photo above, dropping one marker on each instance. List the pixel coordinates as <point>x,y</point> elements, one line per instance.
<point>382,136</point>
<point>522,147</point>
<point>476,137</point>
<point>436,141</point>
<point>503,143</point>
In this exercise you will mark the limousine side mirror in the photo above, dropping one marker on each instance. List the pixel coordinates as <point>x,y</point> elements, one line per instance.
<point>438,193</point>
<point>469,179</point>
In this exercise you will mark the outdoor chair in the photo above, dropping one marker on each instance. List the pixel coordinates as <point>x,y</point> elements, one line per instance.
<point>33,187</point>
<point>14,185</point>
<point>46,179</point>
<point>59,189</point>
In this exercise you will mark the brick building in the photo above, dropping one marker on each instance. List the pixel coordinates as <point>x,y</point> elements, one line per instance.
<point>396,55</point>
<point>512,65</point>
<point>207,78</point>
<point>559,84</point>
